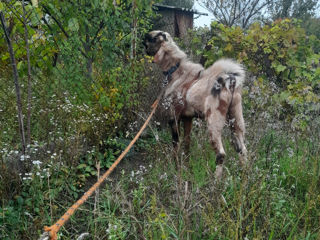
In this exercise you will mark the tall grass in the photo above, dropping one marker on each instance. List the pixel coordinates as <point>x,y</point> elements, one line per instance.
<point>165,197</point>
<point>155,194</point>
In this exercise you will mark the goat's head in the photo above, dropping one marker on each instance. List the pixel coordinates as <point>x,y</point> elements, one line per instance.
<point>154,40</point>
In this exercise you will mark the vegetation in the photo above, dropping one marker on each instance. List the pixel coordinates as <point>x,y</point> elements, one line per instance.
<point>245,12</point>
<point>280,54</point>
<point>87,82</point>
<point>239,13</point>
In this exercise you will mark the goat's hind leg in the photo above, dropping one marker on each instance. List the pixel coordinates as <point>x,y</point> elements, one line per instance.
<point>237,126</point>
<point>216,122</point>
<point>174,125</point>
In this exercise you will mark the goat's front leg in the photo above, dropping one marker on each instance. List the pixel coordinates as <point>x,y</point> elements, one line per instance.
<point>174,125</point>
<point>238,128</point>
<point>187,124</point>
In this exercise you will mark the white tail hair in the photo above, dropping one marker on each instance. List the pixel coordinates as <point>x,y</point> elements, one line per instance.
<point>229,66</point>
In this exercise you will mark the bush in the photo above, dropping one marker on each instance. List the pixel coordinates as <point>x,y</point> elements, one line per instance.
<point>280,56</point>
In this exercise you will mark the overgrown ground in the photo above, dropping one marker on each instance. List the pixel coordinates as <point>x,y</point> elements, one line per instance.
<point>153,195</point>
<point>277,197</point>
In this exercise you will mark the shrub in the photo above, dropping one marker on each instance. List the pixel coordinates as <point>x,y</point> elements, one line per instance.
<point>280,54</point>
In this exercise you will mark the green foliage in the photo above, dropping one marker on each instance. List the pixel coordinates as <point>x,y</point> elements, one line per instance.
<point>80,56</point>
<point>86,84</point>
<point>281,54</point>
<point>194,42</point>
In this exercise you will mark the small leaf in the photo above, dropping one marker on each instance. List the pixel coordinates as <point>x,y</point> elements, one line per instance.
<point>228,47</point>
<point>73,24</point>
<point>284,95</point>
<point>17,3</point>
<point>34,3</point>
<point>278,67</point>
<point>5,56</point>
<point>82,166</point>
<point>1,6</point>
<point>19,65</point>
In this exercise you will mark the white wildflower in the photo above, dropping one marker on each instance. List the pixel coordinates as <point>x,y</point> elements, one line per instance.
<point>164,176</point>
<point>36,162</point>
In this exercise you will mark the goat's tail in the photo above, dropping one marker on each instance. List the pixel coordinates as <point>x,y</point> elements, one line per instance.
<point>231,75</point>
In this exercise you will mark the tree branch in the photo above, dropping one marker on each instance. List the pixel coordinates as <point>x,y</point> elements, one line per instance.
<point>219,6</point>
<point>56,20</point>
<point>62,28</point>
<point>253,12</point>
<point>16,82</point>
<point>101,25</point>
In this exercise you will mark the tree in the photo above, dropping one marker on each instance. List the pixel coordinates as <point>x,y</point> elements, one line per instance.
<point>244,12</point>
<point>300,9</point>
<point>303,10</point>
<point>236,12</point>
<point>312,27</point>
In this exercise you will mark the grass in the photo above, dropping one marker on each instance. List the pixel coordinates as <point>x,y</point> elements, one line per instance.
<point>277,197</point>
<point>154,195</point>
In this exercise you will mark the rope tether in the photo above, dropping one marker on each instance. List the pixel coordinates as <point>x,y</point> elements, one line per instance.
<point>53,230</point>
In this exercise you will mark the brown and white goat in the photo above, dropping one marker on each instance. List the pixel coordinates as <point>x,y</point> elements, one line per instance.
<point>192,91</point>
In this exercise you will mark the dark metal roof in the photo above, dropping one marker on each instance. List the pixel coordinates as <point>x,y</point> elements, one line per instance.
<point>188,10</point>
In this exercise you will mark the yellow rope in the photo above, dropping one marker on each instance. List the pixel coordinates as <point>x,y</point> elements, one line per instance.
<point>53,230</point>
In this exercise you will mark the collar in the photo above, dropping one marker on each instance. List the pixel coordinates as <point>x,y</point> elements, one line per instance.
<point>171,70</point>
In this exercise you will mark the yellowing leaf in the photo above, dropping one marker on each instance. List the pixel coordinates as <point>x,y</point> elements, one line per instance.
<point>34,3</point>
<point>228,47</point>
<point>17,4</point>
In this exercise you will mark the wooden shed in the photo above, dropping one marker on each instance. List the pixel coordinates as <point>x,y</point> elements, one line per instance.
<point>174,20</point>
